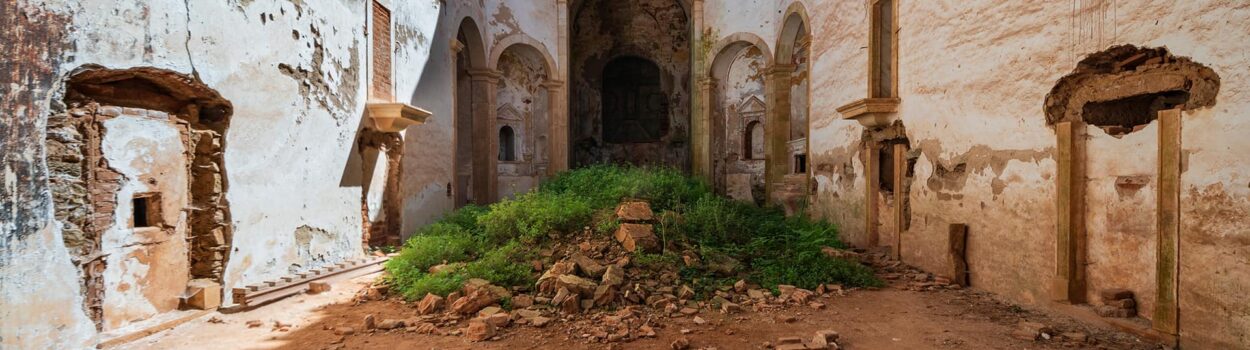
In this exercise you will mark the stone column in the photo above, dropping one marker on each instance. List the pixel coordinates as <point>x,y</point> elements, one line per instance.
<point>700,124</point>
<point>560,138</point>
<point>701,130</point>
<point>456,47</point>
<point>486,140</point>
<point>558,124</point>
<point>776,128</point>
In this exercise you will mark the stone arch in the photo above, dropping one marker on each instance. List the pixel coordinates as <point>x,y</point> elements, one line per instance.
<point>522,42</point>
<point>470,36</point>
<point>795,24</point>
<point>730,46</point>
<point>523,100</point>
<point>469,51</point>
<point>176,125</point>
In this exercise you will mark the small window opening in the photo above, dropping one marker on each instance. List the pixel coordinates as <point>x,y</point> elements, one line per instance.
<point>800,164</point>
<point>1125,115</point>
<point>507,144</point>
<point>145,211</point>
<point>754,141</point>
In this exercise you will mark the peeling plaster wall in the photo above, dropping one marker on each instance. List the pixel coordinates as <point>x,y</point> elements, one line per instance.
<point>742,102</point>
<point>973,78</point>
<point>294,73</point>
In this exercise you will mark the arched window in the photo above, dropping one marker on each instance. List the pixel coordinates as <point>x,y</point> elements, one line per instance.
<point>507,144</point>
<point>753,140</point>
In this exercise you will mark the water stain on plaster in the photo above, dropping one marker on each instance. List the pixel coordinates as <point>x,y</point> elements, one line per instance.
<point>950,175</point>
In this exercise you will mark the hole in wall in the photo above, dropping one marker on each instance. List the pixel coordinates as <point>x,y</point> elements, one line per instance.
<point>800,163</point>
<point>145,210</point>
<point>1128,114</point>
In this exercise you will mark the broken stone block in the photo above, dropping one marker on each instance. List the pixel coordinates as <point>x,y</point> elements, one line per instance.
<point>801,296</point>
<point>581,286</point>
<point>475,302</point>
<point>637,236</point>
<point>479,330</point>
<point>547,283</point>
<point>540,321</point>
<point>318,287</point>
<point>830,336</point>
<point>604,295</point>
<point>613,276</point>
<point>369,322</point>
<point>344,331</point>
<point>685,293</point>
<point>680,344</point>
<point>635,211</point>
<point>489,310</point>
<point>587,266</point>
<point>522,301</point>
<point>430,304</point>
<point>740,286</point>
<point>729,308</point>
<point>203,294</point>
<point>499,320</point>
<point>389,324</point>
<point>473,284</point>
<point>1077,337</point>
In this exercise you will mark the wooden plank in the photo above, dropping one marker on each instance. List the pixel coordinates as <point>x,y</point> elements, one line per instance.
<point>900,197</point>
<point>1165,314</point>
<point>871,167</point>
<point>1065,181</point>
<point>958,249</point>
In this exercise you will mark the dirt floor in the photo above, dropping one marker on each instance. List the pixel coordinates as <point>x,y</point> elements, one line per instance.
<point>889,318</point>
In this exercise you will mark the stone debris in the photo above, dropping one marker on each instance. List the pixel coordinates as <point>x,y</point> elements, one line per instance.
<point>1032,331</point>
<point>1116,303</point>
<point>680,344</point>
<point>479,330</point>
<point>318,287</point>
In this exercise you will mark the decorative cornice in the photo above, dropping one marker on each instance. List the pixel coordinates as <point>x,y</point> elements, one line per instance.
<point>394,116</point>
<point>870,112</point>
<point>781,68</point>
<point>485,74</point>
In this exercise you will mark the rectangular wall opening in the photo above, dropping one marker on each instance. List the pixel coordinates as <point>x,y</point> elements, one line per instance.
<point>145,210</point>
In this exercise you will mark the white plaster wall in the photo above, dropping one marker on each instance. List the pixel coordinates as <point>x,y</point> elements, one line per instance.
<point>287,149</point>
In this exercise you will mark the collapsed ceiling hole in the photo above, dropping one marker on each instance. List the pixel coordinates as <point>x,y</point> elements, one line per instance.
<point>1123,88</point>
<point>1125,115</point>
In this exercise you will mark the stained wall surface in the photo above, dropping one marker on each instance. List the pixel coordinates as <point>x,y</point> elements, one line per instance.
<point>298,104</point>
<point>973,77</point>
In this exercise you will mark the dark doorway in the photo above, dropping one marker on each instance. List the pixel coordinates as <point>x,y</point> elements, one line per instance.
<point>635,108</point>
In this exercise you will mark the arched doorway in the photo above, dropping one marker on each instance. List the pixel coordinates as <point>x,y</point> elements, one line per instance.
<point>788,170</point>
<point>738,100</point>
<point>470,171</point>
<point>522,116</point>
<point>635,107</point>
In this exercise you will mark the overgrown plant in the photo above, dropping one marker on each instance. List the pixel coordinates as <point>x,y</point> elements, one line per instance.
<point>734,239</point>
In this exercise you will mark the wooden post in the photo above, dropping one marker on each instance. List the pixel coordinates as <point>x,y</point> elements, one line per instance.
<point>871,167</point>
<point>1166,314</point>
<point>958,248</point>
<point>900,197</point>
<point>1068,212</point>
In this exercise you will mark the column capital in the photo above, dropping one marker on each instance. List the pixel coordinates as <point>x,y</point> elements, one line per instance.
<point>456,46</point>
<point>706,82</point>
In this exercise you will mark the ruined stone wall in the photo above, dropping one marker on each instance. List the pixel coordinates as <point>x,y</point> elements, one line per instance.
<point>655,30</point>
<point>295,73</point>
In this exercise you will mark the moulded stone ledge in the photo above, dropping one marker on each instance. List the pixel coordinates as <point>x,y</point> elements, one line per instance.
<point>871,112</point>
<point>395,116</point>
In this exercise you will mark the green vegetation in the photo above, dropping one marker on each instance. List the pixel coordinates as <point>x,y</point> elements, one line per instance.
<point>734,239</point>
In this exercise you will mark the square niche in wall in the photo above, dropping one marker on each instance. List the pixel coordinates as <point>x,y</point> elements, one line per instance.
<point>145,210</point>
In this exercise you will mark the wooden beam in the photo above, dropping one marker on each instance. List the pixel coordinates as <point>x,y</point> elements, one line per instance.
<point>871,190</point>
<point>1166,314</point>
<point>957,244</point>
<point>1067,212</point>
<point>900,197</point>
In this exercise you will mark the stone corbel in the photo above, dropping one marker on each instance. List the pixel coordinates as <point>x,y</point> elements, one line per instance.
<point>395,116</point>
<point>871,112</point>
<point>485,75</point>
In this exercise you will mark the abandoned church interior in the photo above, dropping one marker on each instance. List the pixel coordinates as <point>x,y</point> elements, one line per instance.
<point>684,174</point>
